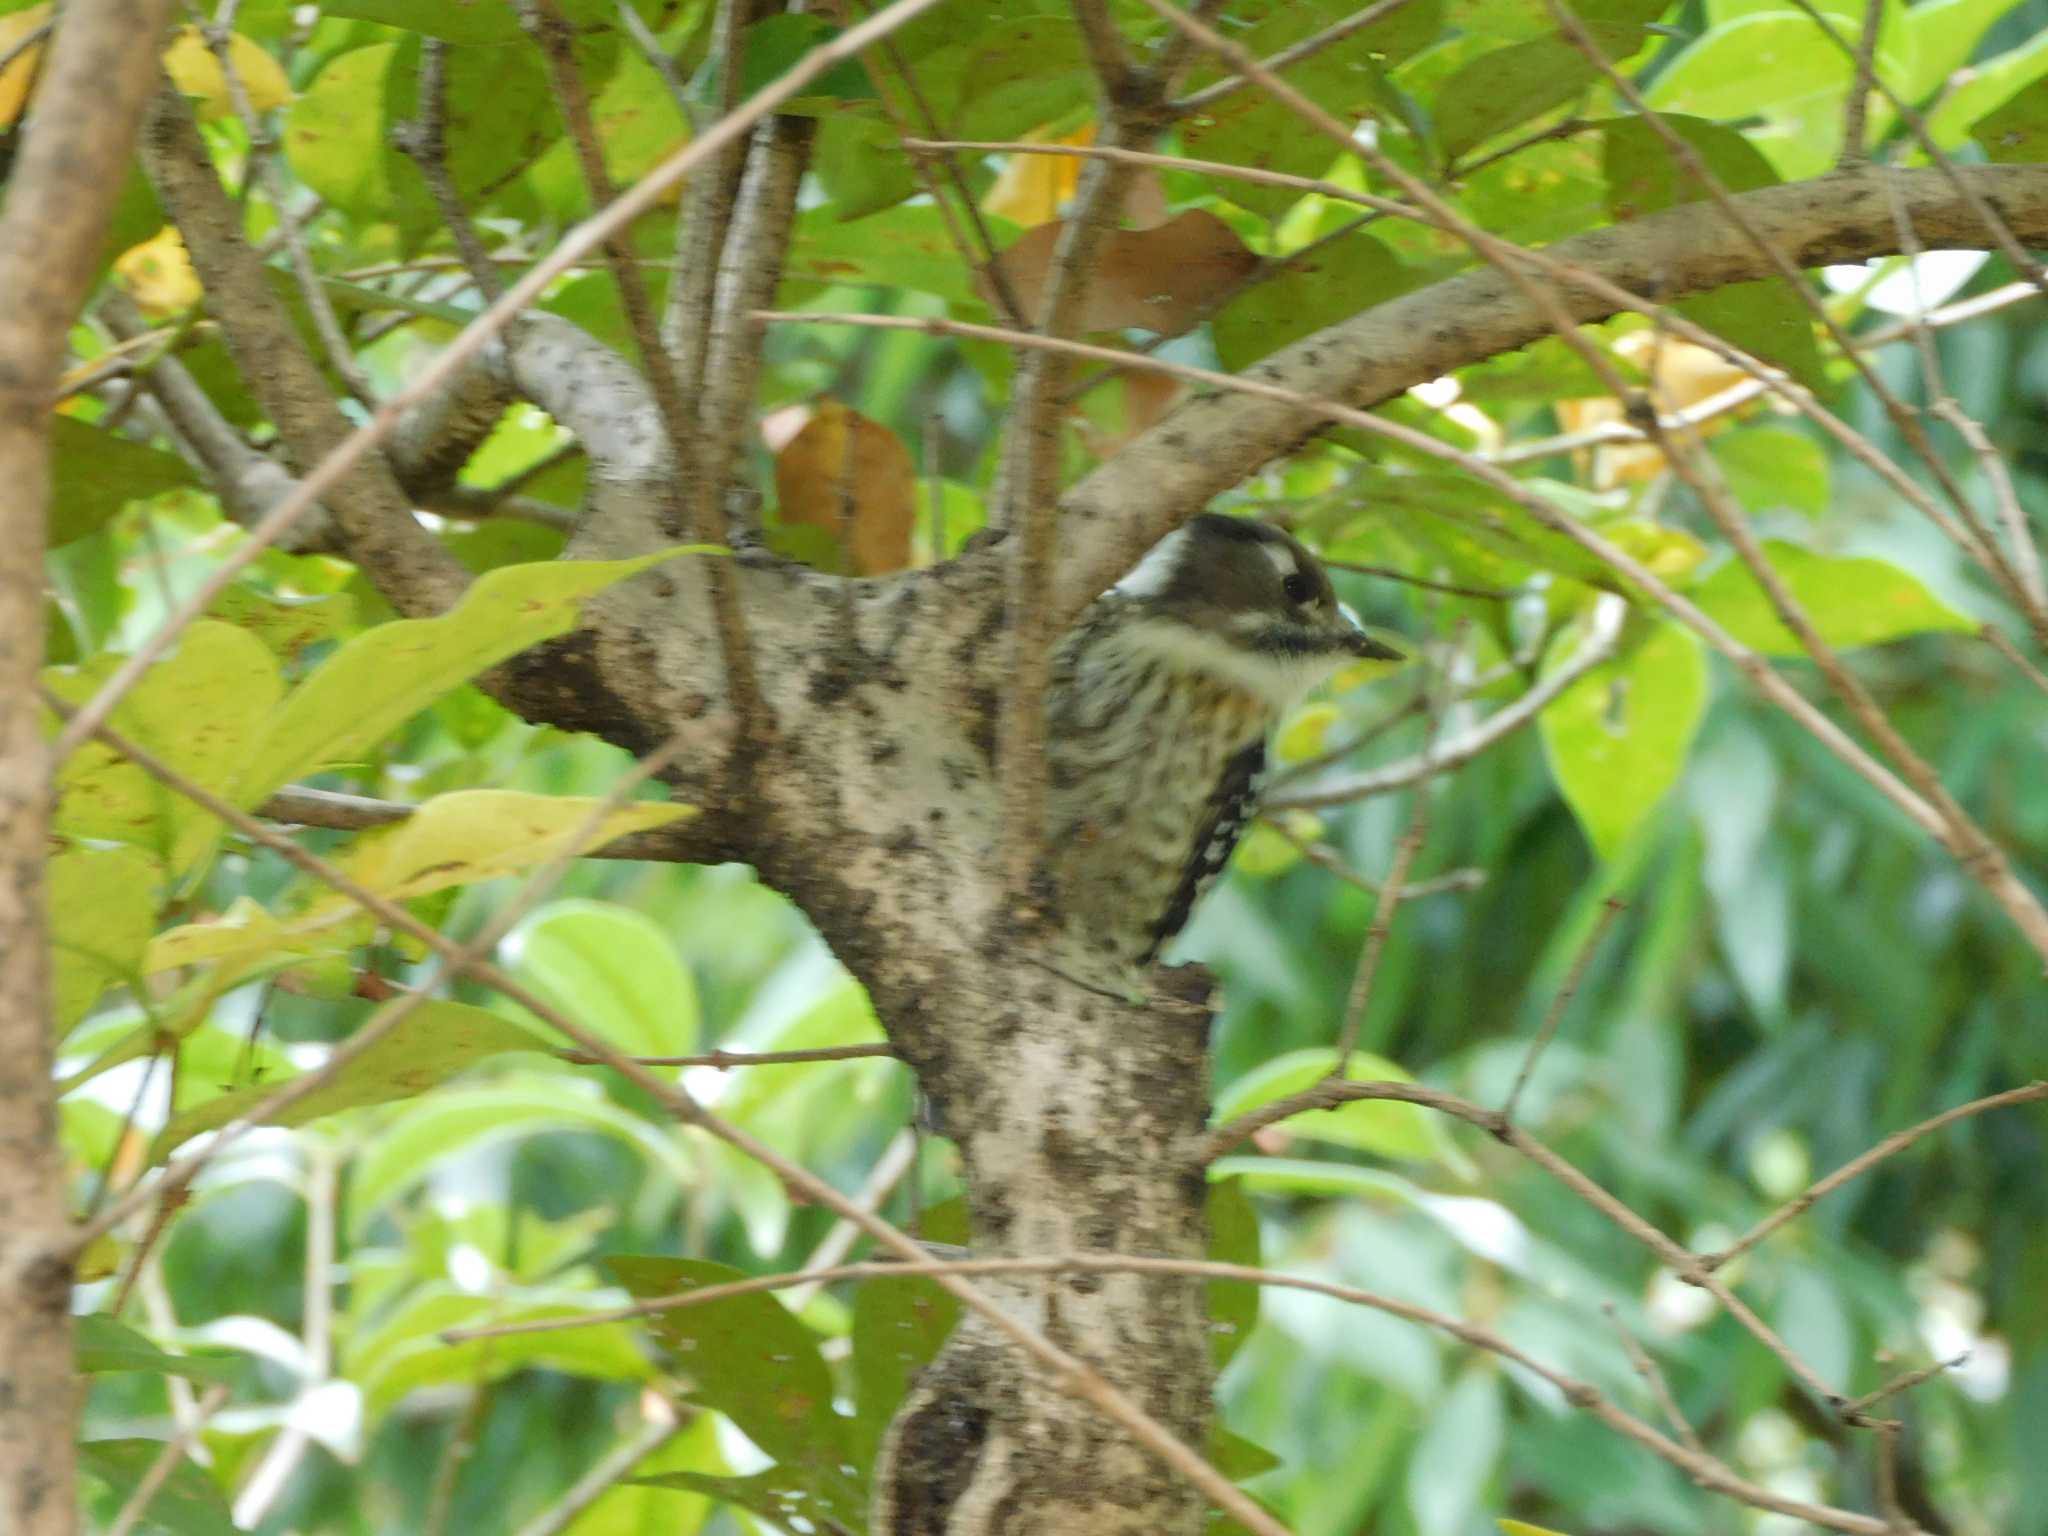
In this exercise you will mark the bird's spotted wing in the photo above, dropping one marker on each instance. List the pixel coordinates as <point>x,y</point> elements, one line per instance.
<point>1229,808</point>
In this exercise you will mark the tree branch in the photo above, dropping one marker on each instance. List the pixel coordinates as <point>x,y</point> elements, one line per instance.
<point>60,197</point>
<point>1211,442</point>
<point>371,513</point>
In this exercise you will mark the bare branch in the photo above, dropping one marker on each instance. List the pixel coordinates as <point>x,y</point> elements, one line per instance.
<point>1610,909</point>
<point>1995,637</point>
<point>660,1428</point>
<point>424,142</point>
<point>175,1450</point>
<point>1861,1164</point>
<point>730,1059</point>
<point>1391,891</point>
<point>370,511</point>
<point>1294,53</point>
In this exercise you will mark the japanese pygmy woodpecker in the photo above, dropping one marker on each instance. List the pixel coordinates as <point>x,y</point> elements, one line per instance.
<point>1160,702</point>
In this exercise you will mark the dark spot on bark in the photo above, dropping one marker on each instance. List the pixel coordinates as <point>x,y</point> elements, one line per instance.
<point>884,749</point>
<point>903,841</point>
<point>832,682</point>
<point>939,1444</point>
<point>982,709</point>
<point>562,683</point>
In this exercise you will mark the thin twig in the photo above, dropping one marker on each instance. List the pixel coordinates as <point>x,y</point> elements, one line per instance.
<point>1861,1164</point>
<point>660,1428</point>
<point>424,141</point>
<point>1293,53</point>
<point>1391,892</point>
<point>264,162</point>
<point>1995,637</point>
<point>1856,110</point>
<point>1610,909</point>
<point>1856,1407</point>
<point>1325,857</point>
<point>1451,588</point>
<point>676,843</point>
<point>1603,634</point>
<point>160,1470</point>
<point>1653,1378</point>
<point>731,1059</point>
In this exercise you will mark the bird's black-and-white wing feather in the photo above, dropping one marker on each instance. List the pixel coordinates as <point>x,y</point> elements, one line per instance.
<point>1229,809</point>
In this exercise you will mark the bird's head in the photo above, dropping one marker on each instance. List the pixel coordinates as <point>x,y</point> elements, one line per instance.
<point>1243,602</point>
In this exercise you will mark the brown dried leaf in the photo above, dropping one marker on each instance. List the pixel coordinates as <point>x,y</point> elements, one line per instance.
<point>852,477</point>
<point>1164,279</point>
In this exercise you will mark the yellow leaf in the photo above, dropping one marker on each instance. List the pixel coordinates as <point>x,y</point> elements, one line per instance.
<point>20,75</point>
<point>1524,1528</point>
<point>195,70</point>
<point>1307,735</point>
<point>158,275</point>
<point>1031,188</point>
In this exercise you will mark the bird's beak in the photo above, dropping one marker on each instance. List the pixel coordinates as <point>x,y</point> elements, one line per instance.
<point>1362,645</point>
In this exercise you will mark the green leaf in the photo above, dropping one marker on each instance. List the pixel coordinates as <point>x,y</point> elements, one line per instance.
<point>1507,87</point>
<point>1307,1176</point>
<point>1989,86</point>
<point>1769,467</point>
<point>775,45</point>
<point>780,1495</point>
<point>102,904</point>
<point>756,1364</point>
<point>457,21</point>
<point>336,137</point>
<point>1939,36</point>
<point>462,1119</point>
<point>1238,1458</point>
<point>433,1043</point>
<point>1617,738</point>
<point>1338,281</point>
<point>1852,601</point>
<point>404,1351</point>
<point>287,625</point>
<point>614,970</point>
<point>1008,78</point>
<point>903,247</point>
<point>1249,128</point>
<point>859,165</point>
<point>377,681</point>
<point>94,474</point>
<point>199,709</point>
<point>105,1345</point>
<point>2016,133</point>
<point>1766,319</point>
<point>638,125</point>
<point>898,1327</point>
<point>1383,1127</point>
<point>1645,176</point>
<point>1771,62</point>
<point>188,1504</point>
<point>1233,1239</point>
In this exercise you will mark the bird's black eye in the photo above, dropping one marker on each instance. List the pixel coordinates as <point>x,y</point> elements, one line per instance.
<point>1298,588</point>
